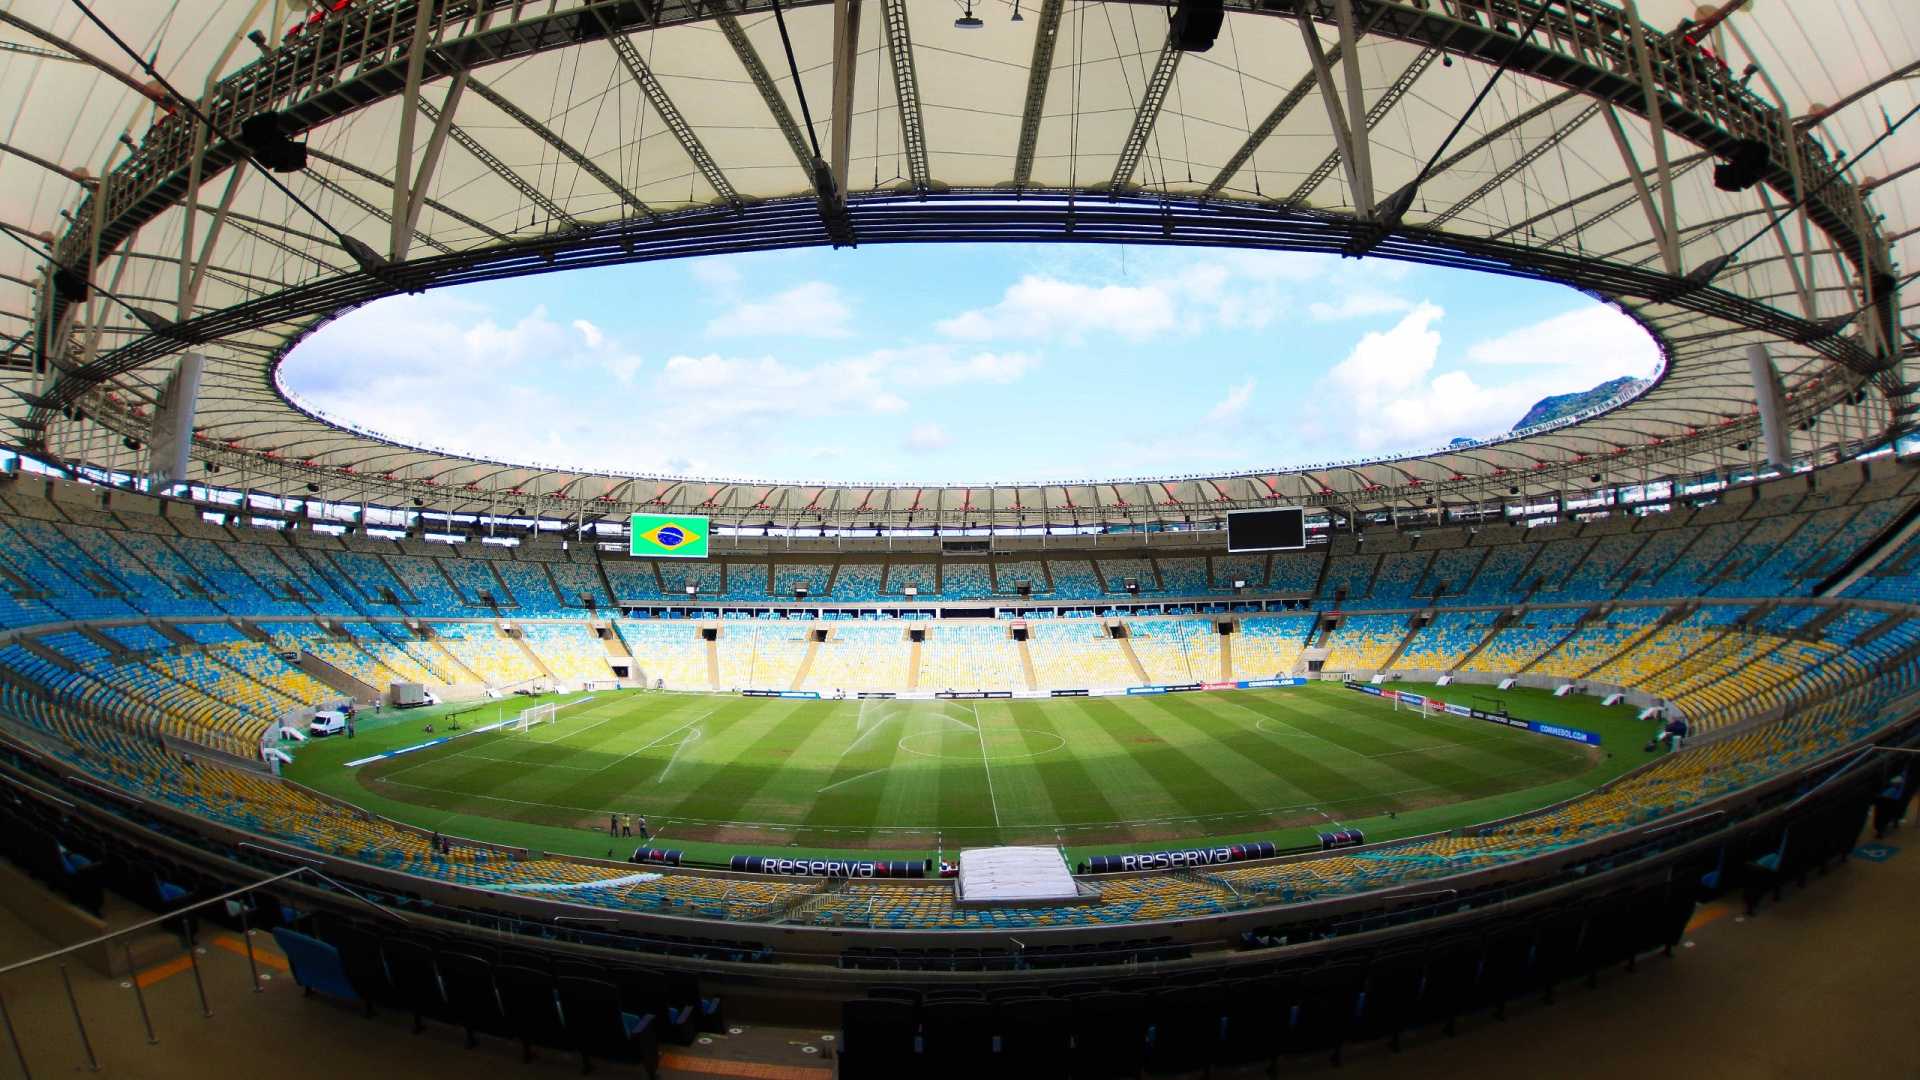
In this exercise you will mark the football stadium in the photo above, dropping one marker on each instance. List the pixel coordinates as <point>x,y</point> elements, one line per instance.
<point>420,636</point>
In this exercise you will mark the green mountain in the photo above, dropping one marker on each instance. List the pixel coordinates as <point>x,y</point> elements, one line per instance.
<point>1559,405</point>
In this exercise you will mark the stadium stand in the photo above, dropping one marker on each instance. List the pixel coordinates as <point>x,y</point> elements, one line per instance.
<point>1270,645</point>
<point>571,651</point>
<point>669,652</point>
<point>481,649</point>
<point>1075,653</point>
<point>1176,650</point>
<point>1364,642</point>
<point>1442,643</point>
<point>858,657</point>
<point>1729,667</point>
<point>961,657</point>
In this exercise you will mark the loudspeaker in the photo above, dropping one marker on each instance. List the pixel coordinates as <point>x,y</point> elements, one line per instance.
<point>1196,23</point>
<point>265,137</point>
<point>1745,167</point>
<point>69,287</point>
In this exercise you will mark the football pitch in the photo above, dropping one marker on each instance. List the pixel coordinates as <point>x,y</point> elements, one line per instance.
<point>715,774</point>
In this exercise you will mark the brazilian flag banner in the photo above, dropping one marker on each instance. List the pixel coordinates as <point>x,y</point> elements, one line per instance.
<point>669,536</point>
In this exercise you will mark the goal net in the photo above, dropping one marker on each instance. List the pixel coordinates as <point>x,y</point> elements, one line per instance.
<point>533,717</point>
<point>548,712</point>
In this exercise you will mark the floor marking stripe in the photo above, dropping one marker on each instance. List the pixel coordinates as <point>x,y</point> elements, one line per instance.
<point>752,1070</point>
<point>261,955</point>
<point>1707,913</point>
<point>167,970</point>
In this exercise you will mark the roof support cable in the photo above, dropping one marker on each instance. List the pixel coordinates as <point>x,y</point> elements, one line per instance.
<point>833,202</point>
<point>1389,213</point>
<point>369,260</point>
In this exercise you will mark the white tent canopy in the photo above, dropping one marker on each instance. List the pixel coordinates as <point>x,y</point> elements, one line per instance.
<point>527,137</point>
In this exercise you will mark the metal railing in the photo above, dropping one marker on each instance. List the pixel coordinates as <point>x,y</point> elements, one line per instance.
<point>179,920</point>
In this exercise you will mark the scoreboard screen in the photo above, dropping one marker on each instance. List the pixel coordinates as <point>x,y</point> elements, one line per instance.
<point>1266,530</point>
<point>669,536</point>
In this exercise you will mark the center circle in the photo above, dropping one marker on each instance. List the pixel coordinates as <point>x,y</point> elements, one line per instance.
<point>972,753</point>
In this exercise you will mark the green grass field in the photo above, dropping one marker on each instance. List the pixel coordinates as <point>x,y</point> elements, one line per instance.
<point>718,774</point>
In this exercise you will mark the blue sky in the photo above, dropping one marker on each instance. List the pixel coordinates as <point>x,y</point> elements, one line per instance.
<point>963,364</point>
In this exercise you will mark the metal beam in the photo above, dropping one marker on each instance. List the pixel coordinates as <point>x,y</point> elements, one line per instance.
<point>1259,135</point>
<point>846,63</point>
<point>1657,124</point>
<point>400,251</point>
<point>1039,74</point>
<point>1330,97</point>
<point>368,174</point>
<point>499,168</point>
<point>736,36</point>
<point>1359,121</point>
<point>906,91</point>
<point>563,147</point>
<point>830,199</point>
<point>430,161</point>
<point>670,114</point>
<point>401,237</point>
<point>1152,97</point>
<point>1658,224</point>
<point>1377,113</point>
<point>1520,163</point>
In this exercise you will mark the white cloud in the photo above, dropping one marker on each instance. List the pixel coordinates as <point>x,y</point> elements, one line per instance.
<point>1358,303</point>
<point>812,310</point>
<point>590,332</point>
<point>1234,403</point>
<point>1388,362</point>
<point>715,272</point>
<point>624,367</point>
<point>927,437</point>
<point>1050,309</point>
<point>1386,395</point>
<point>1596,338</point>
<point>949,365</point>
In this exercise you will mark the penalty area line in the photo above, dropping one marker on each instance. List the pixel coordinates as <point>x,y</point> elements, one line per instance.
<point>850,779</point>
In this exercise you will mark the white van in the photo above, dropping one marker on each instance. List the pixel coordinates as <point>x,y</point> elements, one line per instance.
<point>327,723</point>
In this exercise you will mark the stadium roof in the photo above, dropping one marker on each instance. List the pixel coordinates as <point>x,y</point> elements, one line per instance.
<point>535,137</point>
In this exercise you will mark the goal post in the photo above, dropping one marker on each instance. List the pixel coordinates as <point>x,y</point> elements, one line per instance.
<point>531,718</point>
<point>547,712</point>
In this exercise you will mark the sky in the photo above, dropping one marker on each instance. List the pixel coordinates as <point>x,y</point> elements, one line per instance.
<point>958,364</point>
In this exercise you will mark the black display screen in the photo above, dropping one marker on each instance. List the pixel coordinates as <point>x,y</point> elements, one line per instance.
<point>1266,530</point>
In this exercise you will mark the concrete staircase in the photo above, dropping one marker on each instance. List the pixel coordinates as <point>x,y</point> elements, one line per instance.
<point>806,663</point>
<point>532,657</point>
<point>334,679</point>
<point>1133,660</point>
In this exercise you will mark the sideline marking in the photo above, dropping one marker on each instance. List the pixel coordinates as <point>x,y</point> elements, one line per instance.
<point>984,764</point>
<point>690,737</point>
<point>649,746</point>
